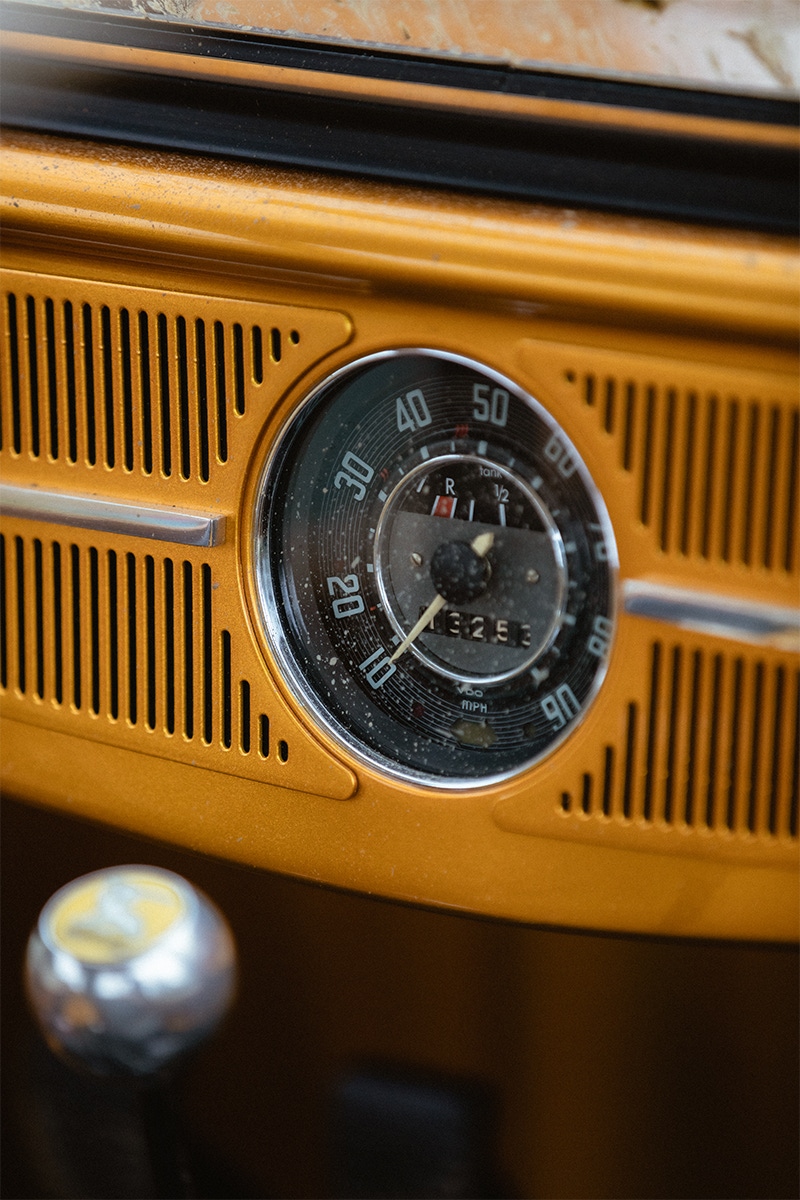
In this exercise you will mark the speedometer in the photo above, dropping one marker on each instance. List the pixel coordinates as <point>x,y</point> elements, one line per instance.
<point>435,568</point>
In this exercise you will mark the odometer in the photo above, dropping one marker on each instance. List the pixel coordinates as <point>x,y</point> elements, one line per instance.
<point>435,568</point>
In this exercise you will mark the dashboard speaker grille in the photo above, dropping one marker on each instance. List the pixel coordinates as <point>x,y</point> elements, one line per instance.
<point>114,386</point>
<point>122,383</point>
<point>132,640</point>
<point>717,475</point>
<point>714,745</point>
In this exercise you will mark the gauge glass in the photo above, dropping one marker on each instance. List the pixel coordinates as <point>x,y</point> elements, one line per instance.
<point>435,568</point>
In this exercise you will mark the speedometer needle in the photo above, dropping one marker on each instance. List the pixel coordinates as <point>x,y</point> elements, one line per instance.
<point>480,545</point>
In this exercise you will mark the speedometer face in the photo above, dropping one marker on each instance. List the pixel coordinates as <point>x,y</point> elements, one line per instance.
<point>435,568</point>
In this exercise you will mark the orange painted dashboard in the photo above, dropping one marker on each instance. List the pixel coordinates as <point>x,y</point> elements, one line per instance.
<point>185,336</point>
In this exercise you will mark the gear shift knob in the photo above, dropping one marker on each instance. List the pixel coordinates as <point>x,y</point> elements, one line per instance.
<point>128,969</point>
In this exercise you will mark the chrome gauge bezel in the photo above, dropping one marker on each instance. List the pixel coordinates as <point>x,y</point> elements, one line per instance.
<point>266,532</point>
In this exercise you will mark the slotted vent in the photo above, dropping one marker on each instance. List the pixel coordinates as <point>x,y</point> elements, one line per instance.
<point>126,638</point>
<point>717,476</point>
<point>128,389</point>
<point>716,746</point>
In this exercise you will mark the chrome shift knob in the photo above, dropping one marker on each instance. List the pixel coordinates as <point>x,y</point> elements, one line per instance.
<point>128,969</point>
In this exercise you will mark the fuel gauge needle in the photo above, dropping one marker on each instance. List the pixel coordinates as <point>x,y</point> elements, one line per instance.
<point>480,545</point>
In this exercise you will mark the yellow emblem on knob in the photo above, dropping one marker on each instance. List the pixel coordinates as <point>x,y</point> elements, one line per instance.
<point>109,917</point>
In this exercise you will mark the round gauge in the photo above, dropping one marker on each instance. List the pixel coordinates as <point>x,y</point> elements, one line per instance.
<point>435,568</point>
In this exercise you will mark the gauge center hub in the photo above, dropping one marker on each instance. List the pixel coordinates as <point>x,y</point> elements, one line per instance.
<point>459,573</point>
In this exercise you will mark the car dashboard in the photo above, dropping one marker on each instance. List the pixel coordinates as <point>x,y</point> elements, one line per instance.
<point>286,324</point>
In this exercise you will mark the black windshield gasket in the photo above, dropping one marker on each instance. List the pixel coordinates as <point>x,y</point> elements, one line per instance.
<point>613,167</point>
<point>386,64</point>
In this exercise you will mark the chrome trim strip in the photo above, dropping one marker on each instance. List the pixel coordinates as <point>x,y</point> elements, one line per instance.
<point>113,516</point>
<point>722,616</point>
